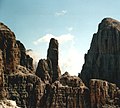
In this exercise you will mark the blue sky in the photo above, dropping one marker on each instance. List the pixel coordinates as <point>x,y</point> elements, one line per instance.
<point>72,22</point>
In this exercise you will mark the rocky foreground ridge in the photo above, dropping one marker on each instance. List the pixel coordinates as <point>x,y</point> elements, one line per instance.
<point>45,87</point>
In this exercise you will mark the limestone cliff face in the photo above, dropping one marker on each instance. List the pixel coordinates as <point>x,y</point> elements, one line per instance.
<point>25,88</point>
<point>66,95</point>
<point>10,50</point>
<point>103,58</point>
<point>13,51</point>
<point>104,94</point>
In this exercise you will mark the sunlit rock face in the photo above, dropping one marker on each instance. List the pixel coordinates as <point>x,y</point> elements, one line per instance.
<point>104,94</point>
<point>103,58</point>
<point>8,104</point>
<point>10,50</point>
<point>1,71</point>
<point>13,51</point>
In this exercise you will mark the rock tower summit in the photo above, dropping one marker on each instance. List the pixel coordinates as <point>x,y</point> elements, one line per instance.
<point>53,57</point>
<point>103,58</point>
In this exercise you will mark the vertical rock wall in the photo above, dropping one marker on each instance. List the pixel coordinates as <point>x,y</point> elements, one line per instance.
<point>104,94</point>
<point>2,94</point>
<point>103,58</point>
<point>25,60</point>
<point>10,50</point>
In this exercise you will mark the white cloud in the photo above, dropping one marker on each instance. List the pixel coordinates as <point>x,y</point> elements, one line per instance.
<point>70,58</point>
<point>61,13</point>
<point>45,38</point>
<point>33,54</point>
<point>65,38</point>
<point>35,57</point>
<point>69,29</point>
<point>62,38</point>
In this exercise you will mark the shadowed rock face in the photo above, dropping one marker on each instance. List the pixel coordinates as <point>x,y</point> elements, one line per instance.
<point>103,58</point>
<point>25,60</point>
<point>52,55</point>
<point>103,94</point>
<point>48,70</point>
<point>44,70</point>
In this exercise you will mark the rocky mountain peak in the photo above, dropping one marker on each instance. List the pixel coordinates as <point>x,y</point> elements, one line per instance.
<point>103,59</point>
<point>109,23</point>
<point>4,27</point>
<point>53,43</point>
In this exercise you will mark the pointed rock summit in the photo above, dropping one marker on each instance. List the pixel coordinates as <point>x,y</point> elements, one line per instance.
<point>3,27</point>
<point>103,58</point>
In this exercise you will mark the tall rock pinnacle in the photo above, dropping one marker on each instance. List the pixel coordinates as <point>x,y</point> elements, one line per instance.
<point>103,58</point>
<point>53,57</point>
<point>48,70</point>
